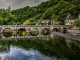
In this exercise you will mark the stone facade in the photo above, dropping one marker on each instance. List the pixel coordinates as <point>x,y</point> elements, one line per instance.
<point>50,22</point>
<point>69,20</point>
<point>45,22</point>
<point>56,22</point>
<point>75,30</point>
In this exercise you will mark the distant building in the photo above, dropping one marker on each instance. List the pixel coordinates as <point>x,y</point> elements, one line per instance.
<point>50,22</point>
<point>45,22</point>
<point>69,20</point>
<point>56,22</point>
<point>75,30</point>
<point>8,9</point>
<point>5,10</point>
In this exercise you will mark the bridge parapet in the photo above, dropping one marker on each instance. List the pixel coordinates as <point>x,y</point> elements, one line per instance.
<point>35,25</point>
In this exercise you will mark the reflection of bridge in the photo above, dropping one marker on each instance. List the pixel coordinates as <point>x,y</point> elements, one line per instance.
<point>40,28</point>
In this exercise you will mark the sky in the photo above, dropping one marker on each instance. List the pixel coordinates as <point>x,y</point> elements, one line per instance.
<point>15,4</point>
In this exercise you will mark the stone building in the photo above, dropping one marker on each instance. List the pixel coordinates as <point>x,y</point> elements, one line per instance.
<point>45,22</point>
<point>75,30</point>
<point>69,20</point>
<point>50,22</point>
<point>56,22</point>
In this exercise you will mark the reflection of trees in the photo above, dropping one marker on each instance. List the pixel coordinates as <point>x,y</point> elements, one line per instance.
<point>55,47</point>
<point>4,46</point>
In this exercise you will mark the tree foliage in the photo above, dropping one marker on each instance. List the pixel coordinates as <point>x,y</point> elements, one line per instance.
<point>50,9</point>
<point>77,22</point>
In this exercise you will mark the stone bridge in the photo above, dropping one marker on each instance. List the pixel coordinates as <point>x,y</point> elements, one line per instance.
<point>46,29</point>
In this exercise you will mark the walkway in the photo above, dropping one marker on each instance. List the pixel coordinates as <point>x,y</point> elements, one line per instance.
<point>69,36</point>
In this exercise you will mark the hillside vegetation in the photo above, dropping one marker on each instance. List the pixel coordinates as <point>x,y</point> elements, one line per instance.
<point>50,9</point>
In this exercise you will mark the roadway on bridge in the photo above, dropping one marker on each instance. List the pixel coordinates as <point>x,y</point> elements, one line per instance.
<point>69,36</point>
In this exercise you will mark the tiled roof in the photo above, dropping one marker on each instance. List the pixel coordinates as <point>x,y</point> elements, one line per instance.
<point>69,17</point>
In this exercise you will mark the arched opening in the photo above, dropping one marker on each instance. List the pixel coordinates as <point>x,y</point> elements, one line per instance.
<point>21,32</point>
<point>49,23</point>
<point>7,32</point>
<point>34,32</point>
<point>64,30</point>
<point>45,31</point>
<point>55,29</point>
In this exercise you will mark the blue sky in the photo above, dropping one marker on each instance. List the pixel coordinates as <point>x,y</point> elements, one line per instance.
<point>15,4</point>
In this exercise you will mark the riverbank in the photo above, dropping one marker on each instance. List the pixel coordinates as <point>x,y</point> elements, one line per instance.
<point>69,36</point>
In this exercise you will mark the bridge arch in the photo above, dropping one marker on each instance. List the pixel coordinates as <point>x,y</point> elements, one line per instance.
<point>7,32</point>
<point>34,31</point>
<point>56,29</point>
<point>21,32</point>
<point>64,30</point>
<point>45,31</point>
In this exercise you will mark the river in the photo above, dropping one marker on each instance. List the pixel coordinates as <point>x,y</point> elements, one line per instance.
<point>56,48</point>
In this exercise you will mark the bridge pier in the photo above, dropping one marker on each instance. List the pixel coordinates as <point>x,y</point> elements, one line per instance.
<point>39,32</point>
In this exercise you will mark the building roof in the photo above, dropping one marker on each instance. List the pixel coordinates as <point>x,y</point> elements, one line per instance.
<point>69,17</point>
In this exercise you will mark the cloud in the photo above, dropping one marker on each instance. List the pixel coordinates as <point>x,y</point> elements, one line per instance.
<point>15,1</point>
<point>36,1</point>
<point>2,4</point>
<point>15,4</point>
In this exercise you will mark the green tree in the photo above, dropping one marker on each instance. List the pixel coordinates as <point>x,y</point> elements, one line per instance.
<point>77,22</point>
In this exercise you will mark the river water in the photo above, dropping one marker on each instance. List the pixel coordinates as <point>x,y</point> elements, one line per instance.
<point>56,48</point>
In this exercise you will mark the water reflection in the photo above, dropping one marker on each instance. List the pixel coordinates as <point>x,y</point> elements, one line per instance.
<point>57,48</point>
<point>17,53</point>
